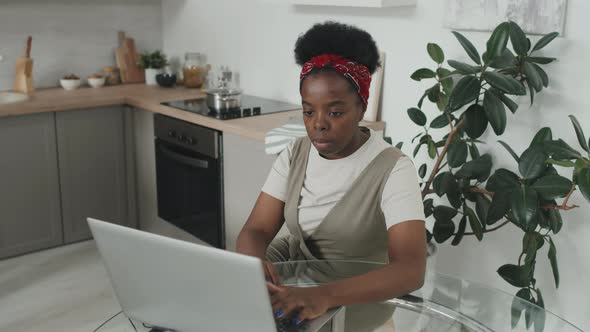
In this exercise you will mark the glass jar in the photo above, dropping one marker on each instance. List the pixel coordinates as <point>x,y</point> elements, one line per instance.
<point>112,76</point>
<point>194,70</point>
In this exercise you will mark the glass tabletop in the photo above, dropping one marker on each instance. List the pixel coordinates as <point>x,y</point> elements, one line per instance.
<point>444,303</point>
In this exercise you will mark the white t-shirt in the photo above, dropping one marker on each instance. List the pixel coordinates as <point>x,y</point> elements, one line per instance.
<point>326,181</point>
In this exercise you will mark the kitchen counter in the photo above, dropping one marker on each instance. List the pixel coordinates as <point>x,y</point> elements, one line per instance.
<point>149,98</point>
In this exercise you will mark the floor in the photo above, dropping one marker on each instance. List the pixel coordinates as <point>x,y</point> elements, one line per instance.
<point>61,289</point>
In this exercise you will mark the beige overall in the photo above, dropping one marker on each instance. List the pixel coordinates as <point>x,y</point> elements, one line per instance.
<point>354,229</point>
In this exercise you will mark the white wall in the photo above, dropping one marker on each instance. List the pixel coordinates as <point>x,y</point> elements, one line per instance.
<point>73,36</point>
<point>256,37</point>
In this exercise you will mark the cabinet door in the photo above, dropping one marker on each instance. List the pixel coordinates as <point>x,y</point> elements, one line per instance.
<point>245,168</point>
<point>30,216</point>
<point>92,168</point>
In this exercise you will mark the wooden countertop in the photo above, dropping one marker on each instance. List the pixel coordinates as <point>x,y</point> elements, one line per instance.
<point>149,98</point>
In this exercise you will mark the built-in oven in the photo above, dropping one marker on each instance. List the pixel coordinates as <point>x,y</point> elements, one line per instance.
<point>189,178</point>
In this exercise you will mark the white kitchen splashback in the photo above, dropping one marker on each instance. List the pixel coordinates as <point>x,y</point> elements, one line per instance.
<point>76,37</point>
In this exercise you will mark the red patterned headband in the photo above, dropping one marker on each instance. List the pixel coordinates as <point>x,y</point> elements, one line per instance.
<point>358,73</point>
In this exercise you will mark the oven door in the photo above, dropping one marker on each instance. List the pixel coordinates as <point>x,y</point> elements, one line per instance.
<point>190,195</point>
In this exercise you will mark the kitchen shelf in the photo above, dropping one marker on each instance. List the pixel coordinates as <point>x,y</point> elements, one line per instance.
<point>356,3</point>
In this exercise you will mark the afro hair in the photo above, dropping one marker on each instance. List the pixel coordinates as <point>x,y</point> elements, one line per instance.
<point>340,39</point>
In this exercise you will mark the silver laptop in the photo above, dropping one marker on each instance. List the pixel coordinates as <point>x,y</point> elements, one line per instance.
<point>181,286</point>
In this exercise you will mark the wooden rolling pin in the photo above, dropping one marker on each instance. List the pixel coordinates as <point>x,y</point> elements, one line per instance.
<point>23,80</point>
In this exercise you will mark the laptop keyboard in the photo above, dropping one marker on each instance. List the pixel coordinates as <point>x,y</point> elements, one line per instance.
<point>287,325</point>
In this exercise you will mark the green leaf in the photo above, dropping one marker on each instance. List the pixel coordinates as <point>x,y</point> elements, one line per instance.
<point>435,52</point>
<point>399,144</point>
<point>504,83</point>
<point>422,73</point>
<point>476,121</point>
<point>443,183</point>
<point>518,39</point>
<point>533,76</point>
<point>444,226</point>
<point>468,47</point>
<point>562,163</point>
<point>552,255</point>
<point>474,151</point>
<point>444,213</point>
<point>417,149</point>
<point>421,101</point>
<point>460,232</point>
<point>539,319</point>
<point>422,170</point>
<point>428,207</point>
<point>482,205</point>
<point>509,149</point>
<point>542,74</point>
<point>417,116</point>
<point>476,169</point>
<point>531,93</point>
<point>532,162</point>
<point>514,275</point>
<point>518,305</point>
<point>583,181</point>
<point>543,135</point>
<point>457,154</point>
<point>440,121</point>
<point>558,149</point>
<point>466,91</point>
<point>579,133</point>
<point>555,221</point>
<point>498,209</point>
<point>552,186</point>
<point>431,149</point>
<point>495,112</point>
<point>434,93</point>
<point>540,60</point>
<point>503,181</point>
<point>545,40</point>
<point>475,224</point>
<point>498,41</point>
<point>464,68</point>
<point>525,205</point>
<point>507,59</point>
<point>512,105</point>
<point>443,230</point>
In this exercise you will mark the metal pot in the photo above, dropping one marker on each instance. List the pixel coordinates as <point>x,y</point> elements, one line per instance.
<point>224,99</point>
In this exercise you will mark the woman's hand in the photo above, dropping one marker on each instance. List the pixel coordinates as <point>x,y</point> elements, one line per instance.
<point>309,302</point>
<point>270,273</point>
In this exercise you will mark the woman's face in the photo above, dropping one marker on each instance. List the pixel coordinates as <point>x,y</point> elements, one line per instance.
<point>331,113</point>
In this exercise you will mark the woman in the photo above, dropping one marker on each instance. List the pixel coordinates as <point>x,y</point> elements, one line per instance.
<point>343,192</point>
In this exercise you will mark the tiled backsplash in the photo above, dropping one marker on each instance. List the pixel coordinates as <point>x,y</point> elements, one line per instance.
<point>73,36</point>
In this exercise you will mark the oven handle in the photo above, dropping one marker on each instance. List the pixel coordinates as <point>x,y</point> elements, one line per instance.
<point>184,159</point>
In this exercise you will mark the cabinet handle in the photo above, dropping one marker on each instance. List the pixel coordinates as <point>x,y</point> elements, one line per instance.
<point>184,159</point>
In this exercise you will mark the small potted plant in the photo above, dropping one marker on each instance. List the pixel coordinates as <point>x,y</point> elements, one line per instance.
<point>153,63</point>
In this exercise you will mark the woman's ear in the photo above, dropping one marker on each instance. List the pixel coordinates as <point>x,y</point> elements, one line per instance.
<point>362,112</point>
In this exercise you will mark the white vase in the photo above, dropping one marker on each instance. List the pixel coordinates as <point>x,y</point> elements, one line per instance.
<point>150,76</point>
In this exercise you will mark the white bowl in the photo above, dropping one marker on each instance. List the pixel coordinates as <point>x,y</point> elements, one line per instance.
<point>70,84</point>
<point>96,82</point>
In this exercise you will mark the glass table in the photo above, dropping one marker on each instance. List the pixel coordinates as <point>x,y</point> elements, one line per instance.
<point>444,303</point>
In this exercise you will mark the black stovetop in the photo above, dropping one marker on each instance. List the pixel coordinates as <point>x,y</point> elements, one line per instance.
<point>251,106</point>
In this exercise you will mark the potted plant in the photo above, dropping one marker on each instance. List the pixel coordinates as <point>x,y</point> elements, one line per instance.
<point>462,190</point>
<point>153,63</point>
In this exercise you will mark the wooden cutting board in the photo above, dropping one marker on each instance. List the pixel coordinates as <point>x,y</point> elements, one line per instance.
<point>127,57</point>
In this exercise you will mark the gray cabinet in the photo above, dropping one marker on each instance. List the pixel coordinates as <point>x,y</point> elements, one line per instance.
<point>30,217</point>
<point>95,173</point>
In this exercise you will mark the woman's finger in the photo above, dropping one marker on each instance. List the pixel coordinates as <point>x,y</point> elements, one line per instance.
<point>273,274</point>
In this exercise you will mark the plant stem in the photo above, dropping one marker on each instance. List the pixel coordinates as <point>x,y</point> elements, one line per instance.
<point>481,191</point>
<point>564,205</point>
<point>440,157</point>
<point>491,229</point>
